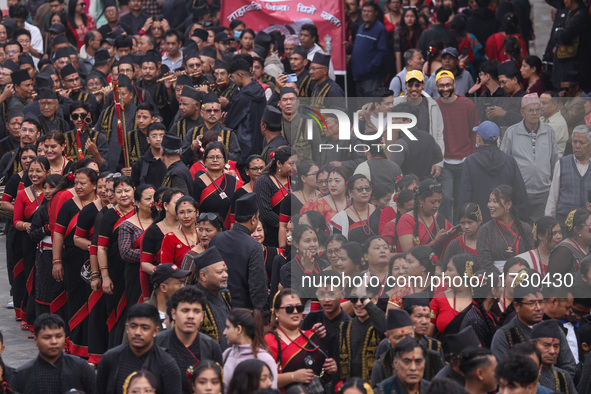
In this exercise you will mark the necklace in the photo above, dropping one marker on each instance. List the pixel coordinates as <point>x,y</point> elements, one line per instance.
<point>509,247</point>
<point>578,246</point>
<point>140,222</point>
<point>335,203</point>
<point>431,236</point>
<point>221,191</point>
<point>191,244</point>
<point>60,170</point>
<point>363,224</point>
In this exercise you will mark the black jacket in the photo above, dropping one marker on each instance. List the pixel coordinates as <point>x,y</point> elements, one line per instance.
<point>244,116</point>
<point>487,168</point>
<point>75,373</point>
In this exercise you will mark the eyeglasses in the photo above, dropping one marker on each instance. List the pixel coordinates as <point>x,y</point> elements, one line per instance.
<point>332,251</point>
<point>215,158</point>
<point>208,216</point>
<point>46,103</point>
<point>414,84</point>
<point>362,189</point>
<point>354,300</point>
<point>79,116</point>
<point>212,110</point>
<point>15,52</point>
<point>572,312</point>
<point>256,169</point>
<point>532,303</point>
<point>290,309</point>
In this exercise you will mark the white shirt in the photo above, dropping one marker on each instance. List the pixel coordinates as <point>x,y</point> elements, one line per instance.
<point>558,124</point>
<point>36,38</point>
<point>571,338</point>
<point>555,186</point>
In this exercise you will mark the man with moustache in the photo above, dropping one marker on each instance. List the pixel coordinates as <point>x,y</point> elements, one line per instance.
<point>224,87</point>
<point>190,111</point>
<point>213,282</point>
<point>409,363</point>
<point>211,110</point>
<point>14,118</point>
<point>299,62</point>
<point>184,343</point>
<point>459,118</point>
<point>10,163</point>
<point>159,91</point>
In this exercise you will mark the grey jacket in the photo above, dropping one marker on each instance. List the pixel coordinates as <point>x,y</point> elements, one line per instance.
<point>537,169</point>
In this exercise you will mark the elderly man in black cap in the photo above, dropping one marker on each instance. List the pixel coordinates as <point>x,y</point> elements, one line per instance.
<point>246,109</point>
<point>23,88</point>
<point>546,338</point>
<point>200,37</point>
<point>324,86</point>
<point>48,104</point>
<point>107,121</point>
<point>194,67</point>
<point>399,325</point>
<point>166,280</point>
<point>177,174</point>
<point>247,278</point>
<point>271,130</point>
<point>185,342</point>
<point>161,92</point>
<point>208,56</point>
<point>190,112</point>
<point>298,61</point>
<point>212,115</point>
<point>111,12</point>
<point>60,58</point>
<point>224,87</point>
<point>102,65</point>
<point>73,89</point>
<point>454,344</point>
<point>212,280</point>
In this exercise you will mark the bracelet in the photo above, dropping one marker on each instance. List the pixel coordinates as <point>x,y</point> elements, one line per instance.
<point>103,268</point>
<point>56,261</point>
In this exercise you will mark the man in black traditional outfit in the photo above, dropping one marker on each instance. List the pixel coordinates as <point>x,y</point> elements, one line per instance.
<point>324,86</point>
<point>143,323</point>
<point>185,343</point>
<point>213,282</point>
<point>190,111</point>
<point>52,371</point>
<point>150,169</point>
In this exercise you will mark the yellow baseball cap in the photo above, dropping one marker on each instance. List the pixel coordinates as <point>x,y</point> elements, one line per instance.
<point>444,74</point>
<point>414,74</point>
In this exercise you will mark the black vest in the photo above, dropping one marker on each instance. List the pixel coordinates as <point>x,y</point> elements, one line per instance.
<point>70,375</point>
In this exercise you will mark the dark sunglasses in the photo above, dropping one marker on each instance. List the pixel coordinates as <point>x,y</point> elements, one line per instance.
<point>290,309</point>
<point>78,116</point>
<point>354,300</point>
<point>207,216</point>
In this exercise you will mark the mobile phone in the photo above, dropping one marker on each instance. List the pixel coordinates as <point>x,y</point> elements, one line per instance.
<point>464,52</point>
<point>455,228</point>
<point>292,77</point>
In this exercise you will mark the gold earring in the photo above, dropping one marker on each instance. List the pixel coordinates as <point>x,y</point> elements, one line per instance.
<point>276,319</point>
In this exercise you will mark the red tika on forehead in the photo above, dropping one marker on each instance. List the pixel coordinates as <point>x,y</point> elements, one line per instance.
<point>413,357</point>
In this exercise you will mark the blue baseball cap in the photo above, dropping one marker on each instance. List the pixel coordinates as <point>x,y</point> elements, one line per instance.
<point>451,51</point>
<point>488,130</point>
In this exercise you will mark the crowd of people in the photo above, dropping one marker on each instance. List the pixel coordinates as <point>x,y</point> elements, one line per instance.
<point>178,220</point>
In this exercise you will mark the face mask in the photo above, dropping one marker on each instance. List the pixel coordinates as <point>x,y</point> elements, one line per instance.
<point>477,145</point>
<point>237,35</point>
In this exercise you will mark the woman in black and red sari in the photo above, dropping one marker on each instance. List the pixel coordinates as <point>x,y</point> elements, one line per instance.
<point>214,189</point>
<point>14,250</point>
<point>177,243</point>
<point>297,353</point>
<point>68,259</point>
<point>50,295</point>
<point>85,237</point>
<point>271,188</point>
<point>131,234</point>
<point>26,203</point>
<point>111,265</point>
<point>152,241</point>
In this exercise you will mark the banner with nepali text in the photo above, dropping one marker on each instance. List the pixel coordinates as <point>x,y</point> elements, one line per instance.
<point>289,16</point>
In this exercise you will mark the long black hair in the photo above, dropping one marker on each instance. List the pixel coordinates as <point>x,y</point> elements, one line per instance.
<point>279,155</point>
<point>536,63</point>
<point>505,193</point>
<point>426,189</point>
